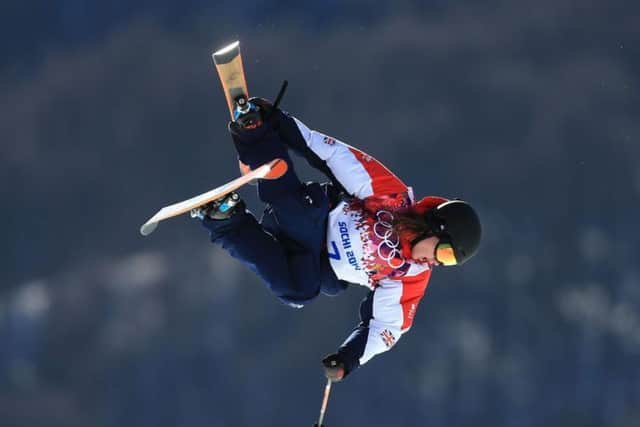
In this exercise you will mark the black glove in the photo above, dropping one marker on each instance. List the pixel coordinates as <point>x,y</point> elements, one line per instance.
<point>261,111</point>
<point>265,105</point>
<point>334,367</point>
<point>268,113</point>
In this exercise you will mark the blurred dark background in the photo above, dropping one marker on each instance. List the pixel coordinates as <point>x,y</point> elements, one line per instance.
<point>110,110</point>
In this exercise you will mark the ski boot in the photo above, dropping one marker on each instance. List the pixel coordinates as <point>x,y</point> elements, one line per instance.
<point>220,209</point>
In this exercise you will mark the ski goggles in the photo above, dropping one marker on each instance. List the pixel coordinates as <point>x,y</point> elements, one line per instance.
<point>445,254</point>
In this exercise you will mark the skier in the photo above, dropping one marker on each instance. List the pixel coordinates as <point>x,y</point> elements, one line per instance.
<point>363,228</point>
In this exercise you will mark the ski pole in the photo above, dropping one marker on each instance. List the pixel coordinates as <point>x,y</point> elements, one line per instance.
<point>325,400</point>
<point>283,88</point>
<point>281,92</point>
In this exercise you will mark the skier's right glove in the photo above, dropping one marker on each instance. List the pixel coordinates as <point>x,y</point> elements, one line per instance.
<point>334,367</point>
<point>260,111</point>
<point>266,107</point>
<point>267,112</point>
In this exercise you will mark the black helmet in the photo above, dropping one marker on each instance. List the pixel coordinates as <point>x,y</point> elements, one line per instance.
<point>456,222</point>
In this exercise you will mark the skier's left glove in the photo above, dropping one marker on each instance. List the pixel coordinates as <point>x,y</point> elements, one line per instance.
<point>334,367</point>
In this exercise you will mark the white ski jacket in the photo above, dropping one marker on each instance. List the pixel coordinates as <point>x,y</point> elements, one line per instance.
<point>364,249</point>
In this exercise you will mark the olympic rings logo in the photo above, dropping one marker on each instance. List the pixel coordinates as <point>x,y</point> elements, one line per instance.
<point>389,248</point>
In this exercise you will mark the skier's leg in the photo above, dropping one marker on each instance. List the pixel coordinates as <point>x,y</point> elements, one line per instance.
<point>300,214</point>
<point>299,223</point>
<point>258,146</point>
<point>289,275</point>
<point>297,214</point>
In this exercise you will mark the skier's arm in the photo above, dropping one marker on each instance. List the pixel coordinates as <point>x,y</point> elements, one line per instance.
<point>386,314</point>
<point>359,174</point>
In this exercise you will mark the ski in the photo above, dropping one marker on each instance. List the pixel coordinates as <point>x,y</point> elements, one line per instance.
<point>272,170</point>
<point>228,63</point>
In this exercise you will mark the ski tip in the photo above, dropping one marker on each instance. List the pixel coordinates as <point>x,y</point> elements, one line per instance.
<point>227,53</point>
<point>278,168</point>
<point>148,228</point>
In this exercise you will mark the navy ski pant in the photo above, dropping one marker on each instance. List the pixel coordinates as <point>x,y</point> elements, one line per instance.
<point>286,247</point>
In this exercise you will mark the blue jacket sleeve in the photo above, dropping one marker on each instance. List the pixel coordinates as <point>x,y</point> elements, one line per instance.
<point>288,130</point>
<point>353,348</point>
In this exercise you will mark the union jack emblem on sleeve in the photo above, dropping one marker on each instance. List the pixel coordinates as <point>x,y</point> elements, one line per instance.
<point>328,140</point>
<point>388,338</point>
